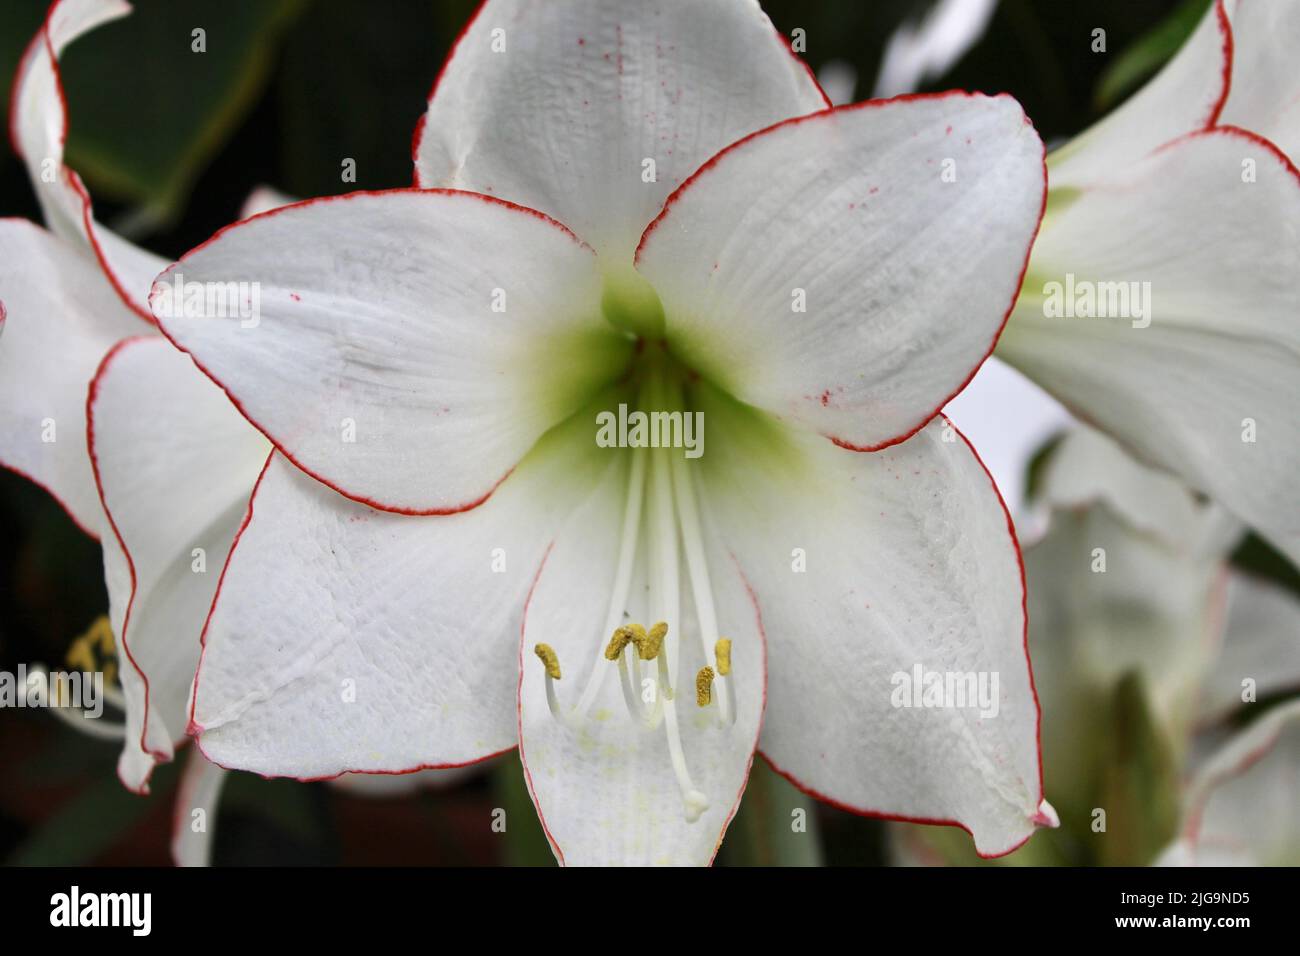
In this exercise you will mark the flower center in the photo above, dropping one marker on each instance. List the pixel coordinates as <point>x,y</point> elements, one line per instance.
<point>662,497</point>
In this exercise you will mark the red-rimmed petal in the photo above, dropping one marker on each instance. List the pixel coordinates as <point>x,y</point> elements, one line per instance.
<point>343,638</point>
<point>605,789</point>
<point>1188,94</point>
<point>867,569</point>
<point>1265,94</point>
<point>175,464</point>
<point>849,271</point>
<point>1243,803</point>
<point>38,124</point>
<point>561,105</point>
<point>406,347</point>
<point>60,319</point>
<point>1199,373</point>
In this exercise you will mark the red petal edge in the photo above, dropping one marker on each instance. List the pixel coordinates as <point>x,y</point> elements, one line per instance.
<point>195,730</point>
<point>418,135</point>
<point>87,212</point>
<point>279,210</point>
<point>1038,721</point>
<point>872,104</point>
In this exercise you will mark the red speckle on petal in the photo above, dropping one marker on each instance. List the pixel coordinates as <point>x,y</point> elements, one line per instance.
<point>948,131</point>
<point>874,190</point>
<point>295,296</point>
<point>826,398</point>
<point>582,41</point>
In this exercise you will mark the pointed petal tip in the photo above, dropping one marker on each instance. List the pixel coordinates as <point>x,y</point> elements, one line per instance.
<point>1046,816</point>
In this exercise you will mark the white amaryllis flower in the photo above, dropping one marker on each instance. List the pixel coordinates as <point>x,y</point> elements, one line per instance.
<point>169,457</point>
<point>611,220</point>
<point>1188,189</point>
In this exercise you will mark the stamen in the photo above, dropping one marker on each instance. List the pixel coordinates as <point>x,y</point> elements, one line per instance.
<point>688,515</point>
<point>704,686</point>
<point>666,594</point>
<point>617,642</point>
<point>636,483</point>
<point>550,659</point>
<point>722,653</point>
<point>79,719</point>
<point>651,644</point>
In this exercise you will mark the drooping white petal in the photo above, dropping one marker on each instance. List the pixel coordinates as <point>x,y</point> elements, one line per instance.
<point>1127,581</point>
<point>406,347</point>
<point>345,638</point>
<point>1188,94</point>
<point>176,465</point>
<point>604,784</point>
<point>1243,804</point>
<point>1265,94</point>
<point>60,319</point>
<point>1261,648</point>
<point>38,129</point>
<point>849,271</point>
<point>593,111</point>
<point>1200,373</point>
<point>195,824</point>
<point>866,568</point>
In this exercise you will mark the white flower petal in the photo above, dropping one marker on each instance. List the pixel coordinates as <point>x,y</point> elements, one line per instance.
<point>60,319</point>
<point>605,789</point>
<point>38,129</point>
<point>910,562</point>
<point>176,464</point>
<point>907,278</point>
<point>1265,94</point>
<point>348,639</point>
<point>1109,598</point>
<point>1188,94</point>
<point>560,105</point>
<point>392,786</point>
<point>195,824</point>
<point>1214,360</point>
<point>1243,804</point>
<point>1261,644</point>
<point>369,349</point>
<point>1089,468</point>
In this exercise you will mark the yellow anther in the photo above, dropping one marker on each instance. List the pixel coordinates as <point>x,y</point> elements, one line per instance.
<point>94,650</point>
<point>653,642</point>
<point>550,659</point>
<point>704,686</point>
<point>618,641</point>
<point>722,651</point>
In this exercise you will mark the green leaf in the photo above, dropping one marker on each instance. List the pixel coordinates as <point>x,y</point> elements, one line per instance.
<point>775,826</point>
<point>1148,54</point>
<point>1138,780</point>
<point>148,110</point>
<point>91,822</point>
